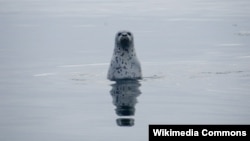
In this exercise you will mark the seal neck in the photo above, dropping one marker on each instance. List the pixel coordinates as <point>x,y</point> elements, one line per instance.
<point>121,51</point>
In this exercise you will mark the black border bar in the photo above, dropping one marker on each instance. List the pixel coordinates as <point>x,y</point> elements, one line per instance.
<point>162,132</point>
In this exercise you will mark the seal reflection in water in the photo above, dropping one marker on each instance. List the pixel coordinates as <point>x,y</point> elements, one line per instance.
<point>125,69</point>
<point>124,94</point>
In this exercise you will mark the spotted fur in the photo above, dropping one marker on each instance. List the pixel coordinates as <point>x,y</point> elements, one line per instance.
<point>124,63</point>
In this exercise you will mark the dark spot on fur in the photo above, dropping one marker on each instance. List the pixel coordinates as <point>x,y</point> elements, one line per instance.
<point>116,59</point>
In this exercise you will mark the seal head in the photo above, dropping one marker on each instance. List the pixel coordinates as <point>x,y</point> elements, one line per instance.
<point>124,39</point>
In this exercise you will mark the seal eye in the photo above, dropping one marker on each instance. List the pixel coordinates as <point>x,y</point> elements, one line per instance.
<point>129,33</point>
<point>119,34</point>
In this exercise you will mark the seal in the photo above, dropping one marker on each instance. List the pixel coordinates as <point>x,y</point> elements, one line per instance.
<point>124,63</point>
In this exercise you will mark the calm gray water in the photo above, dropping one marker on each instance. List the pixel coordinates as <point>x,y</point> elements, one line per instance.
<point>54,57</point>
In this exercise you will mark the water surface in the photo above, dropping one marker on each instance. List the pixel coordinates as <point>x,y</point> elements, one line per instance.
<point>54,57</point>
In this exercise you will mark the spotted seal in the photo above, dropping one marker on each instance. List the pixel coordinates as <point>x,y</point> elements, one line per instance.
<point>124,63</point>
